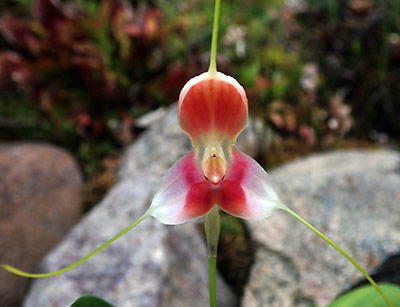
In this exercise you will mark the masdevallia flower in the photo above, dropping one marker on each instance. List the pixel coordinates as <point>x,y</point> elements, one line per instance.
<point>213,110</point>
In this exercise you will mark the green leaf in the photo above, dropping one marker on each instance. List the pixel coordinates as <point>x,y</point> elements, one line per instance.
<point>90,301</point>
<point>367,296</point>
<point>248,74</point>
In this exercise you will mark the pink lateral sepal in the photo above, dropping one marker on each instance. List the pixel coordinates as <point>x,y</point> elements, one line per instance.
<point>212,105</point>
<point>246,190</point>
<point>184,194</point>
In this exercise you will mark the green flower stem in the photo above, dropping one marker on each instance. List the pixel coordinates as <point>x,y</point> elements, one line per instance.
<point>335,246</point>
<point>212,227</point>
<point>25,274</point>
<point>213,58</point>
<point>212,264</point>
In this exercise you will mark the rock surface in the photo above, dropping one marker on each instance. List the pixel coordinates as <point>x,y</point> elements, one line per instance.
<point>153,265</point>
<point>40,200</point>
<point>352,197</point>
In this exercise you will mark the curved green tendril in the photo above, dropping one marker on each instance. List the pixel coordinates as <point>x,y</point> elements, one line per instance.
<point>213,57</point>
<point>16,271</point>
<point>341,251</point>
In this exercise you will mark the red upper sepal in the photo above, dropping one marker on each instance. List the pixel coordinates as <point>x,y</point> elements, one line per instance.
<point>212,105</point>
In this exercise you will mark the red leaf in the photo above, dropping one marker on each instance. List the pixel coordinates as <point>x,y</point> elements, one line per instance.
<point>48,13</point>
<point>18,33</point>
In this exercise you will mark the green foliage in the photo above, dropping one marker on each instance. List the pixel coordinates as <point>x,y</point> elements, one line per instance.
<point>354,45</point>
<point>357,47</point>
<point>367,296</point>
<point>78,72</point>
<point>90,301</point>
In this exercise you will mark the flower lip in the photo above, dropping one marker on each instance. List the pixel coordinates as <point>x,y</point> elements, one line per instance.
<point>214,169</point>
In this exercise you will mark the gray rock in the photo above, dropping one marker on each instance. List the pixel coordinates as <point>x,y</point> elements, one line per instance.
<point>40,200</point>
<point>152,265</point>
<point>352,197</point>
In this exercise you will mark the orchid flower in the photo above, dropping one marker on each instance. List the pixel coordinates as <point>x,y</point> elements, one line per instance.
<point>212,110</point>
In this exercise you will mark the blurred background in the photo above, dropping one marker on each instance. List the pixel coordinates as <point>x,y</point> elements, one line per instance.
<point>318,74</point>
<point>79,73</point>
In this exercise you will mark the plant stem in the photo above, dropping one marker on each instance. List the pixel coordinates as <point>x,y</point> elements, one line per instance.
<point>213,58</point>
<point>212,264</point>
<point>212,227</point>
<point>341,251</point>
<point>117,236</point>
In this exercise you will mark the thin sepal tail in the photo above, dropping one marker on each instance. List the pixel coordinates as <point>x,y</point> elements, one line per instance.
<point>340,250</point>
<point>19,272</point>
